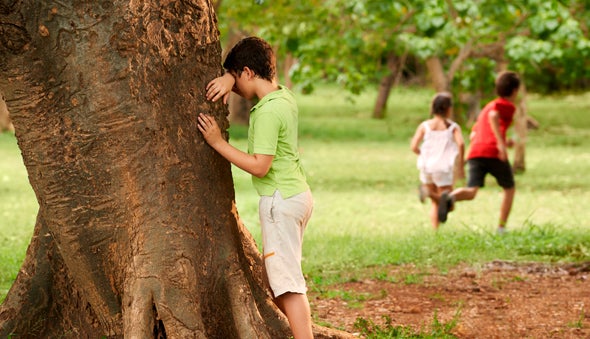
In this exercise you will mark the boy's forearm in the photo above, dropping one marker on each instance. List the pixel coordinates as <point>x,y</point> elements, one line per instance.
<point>232,154</point>
<point>255,164</point>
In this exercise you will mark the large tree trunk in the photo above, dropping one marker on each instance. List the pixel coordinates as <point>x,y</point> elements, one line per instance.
<point>137,234</point>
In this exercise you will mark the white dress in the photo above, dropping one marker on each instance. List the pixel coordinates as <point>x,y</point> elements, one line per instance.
<point>438,150</point>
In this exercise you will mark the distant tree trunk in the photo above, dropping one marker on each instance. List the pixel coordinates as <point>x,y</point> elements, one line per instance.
<point>473,102</point>
<point>287,64</point>
<point>5,123</point>
<point>441,81</point>
<point>394,65</point>
<point>137,234</point>
<point>521,131</point>
<point>216,5</point>
<point>239,109</point>
<point>383,95</point>
<point>437,74</point>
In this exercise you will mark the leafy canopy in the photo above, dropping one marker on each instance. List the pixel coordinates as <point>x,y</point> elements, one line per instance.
<point>348,41</point>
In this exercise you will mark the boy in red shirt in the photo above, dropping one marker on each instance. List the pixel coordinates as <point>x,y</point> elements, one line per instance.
<point>487,153</point>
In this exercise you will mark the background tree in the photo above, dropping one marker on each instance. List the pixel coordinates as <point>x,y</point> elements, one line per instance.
<point>463,44</point>
<point>5,123</point>
<point>351,42</point>
<point>137,233</point>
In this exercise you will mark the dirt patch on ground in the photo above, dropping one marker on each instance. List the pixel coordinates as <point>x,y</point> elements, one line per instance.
<point>497,300</point>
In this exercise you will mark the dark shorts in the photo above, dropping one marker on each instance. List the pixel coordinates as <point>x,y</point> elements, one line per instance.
<point>480,167</point>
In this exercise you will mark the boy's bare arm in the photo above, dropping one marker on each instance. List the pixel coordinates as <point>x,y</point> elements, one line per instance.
<point>220,87</point>
<point>495,125</point>
<point>255,164</point>
<point>461,146</point>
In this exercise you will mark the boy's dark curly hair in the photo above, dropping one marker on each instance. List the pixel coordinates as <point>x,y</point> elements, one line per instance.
<point>254,53</point>
<point>506,83</point>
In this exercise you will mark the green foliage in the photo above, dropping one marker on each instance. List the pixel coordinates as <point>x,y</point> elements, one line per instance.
<point>553,49</point>
<point>347,41</point>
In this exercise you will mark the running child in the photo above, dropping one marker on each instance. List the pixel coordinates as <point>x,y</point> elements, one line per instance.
<point>488,150</point>
<point>438,142</point>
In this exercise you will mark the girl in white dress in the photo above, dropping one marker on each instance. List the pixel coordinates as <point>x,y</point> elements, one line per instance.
<point>438,142</point>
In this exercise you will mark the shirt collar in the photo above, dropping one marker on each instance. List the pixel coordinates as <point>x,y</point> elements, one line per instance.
<point>270,96</point>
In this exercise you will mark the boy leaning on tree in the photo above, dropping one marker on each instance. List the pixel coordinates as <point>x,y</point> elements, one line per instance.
<point>286,202</point>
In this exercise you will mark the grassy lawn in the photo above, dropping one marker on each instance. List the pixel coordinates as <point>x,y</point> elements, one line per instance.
<point>18,211</point>
<point>364,180</point>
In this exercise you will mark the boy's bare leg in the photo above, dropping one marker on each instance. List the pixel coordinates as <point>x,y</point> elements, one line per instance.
<point>447,201</point>
<point>464,193</point>
<point>296,308</point>
<point>506,206</point>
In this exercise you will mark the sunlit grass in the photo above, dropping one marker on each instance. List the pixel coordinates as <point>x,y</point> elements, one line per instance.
<point>18,209</point>
<point>364,181</point>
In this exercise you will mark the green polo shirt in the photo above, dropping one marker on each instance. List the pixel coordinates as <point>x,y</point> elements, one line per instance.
<point>273,131</point>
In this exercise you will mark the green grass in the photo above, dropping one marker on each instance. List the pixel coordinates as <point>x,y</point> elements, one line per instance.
<point>18,210</point>
<point>364,180</point>
<point>368,329</point>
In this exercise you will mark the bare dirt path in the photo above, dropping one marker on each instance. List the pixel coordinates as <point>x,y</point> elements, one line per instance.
<point>497,300</point>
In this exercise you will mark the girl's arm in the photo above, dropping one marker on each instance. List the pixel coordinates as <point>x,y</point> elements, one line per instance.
<point>417,139</point>
<point>458,136</point>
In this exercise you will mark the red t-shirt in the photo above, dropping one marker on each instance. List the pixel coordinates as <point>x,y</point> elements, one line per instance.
<point>483,141</point>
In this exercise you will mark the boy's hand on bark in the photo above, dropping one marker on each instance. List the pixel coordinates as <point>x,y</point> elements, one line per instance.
<point>209,128</point>
<point>220,87</point>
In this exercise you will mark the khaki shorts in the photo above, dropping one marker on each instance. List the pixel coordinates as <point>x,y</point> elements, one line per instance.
<point>283,222</point>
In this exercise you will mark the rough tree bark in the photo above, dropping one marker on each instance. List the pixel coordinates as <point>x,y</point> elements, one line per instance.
<point>137,234</point>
